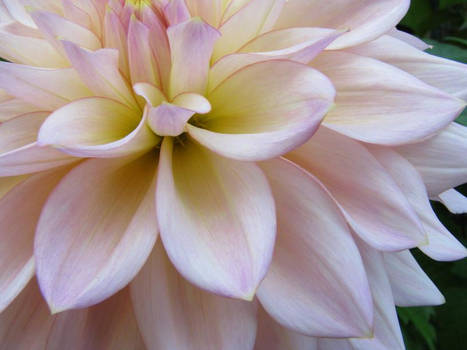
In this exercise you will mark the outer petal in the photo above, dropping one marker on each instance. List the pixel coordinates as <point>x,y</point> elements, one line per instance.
<point>441,159</point>
<point>99,70</point>
<point>28,324</point>
<point>447,75</point>
<point>194,39</point>
<point>108,325</point>
<point>254,18</point>
<point>11,107</point>
<point>173,314</point>
<point>366,19</point>
<point>412,40</point>
<point>442,245</point>
<point>410,285</point>
<point>272,336</point>
<point>387,333</point>
<point>316,284</point>
<point>261,120</point>
<point>216,217</point>
<point>372,203</point>
<point>372,104</point>
<point>47,89</point>
<point>454,201</point>
<point>18,218</point>
<point>97,127</point>
<point>85,257</point>
<point>24,49</point>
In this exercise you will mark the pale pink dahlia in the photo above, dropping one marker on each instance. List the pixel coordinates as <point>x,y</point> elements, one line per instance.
<point>126,120</point>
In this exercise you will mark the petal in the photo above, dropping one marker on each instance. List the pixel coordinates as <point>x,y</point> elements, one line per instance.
<point>210,11</point>
<point>194,39</point>
<point>12,107</point>
<point>387,333</point>
<point>24,49</point>
<point>454,201</point>
<point>372,104</point>
<point>143,66</point>
<point>272,336</point>
<point>97,127</point>
<point>168,119</point>
<point>446,75</point>
<point>20,217</point>
<point>316,284</point>
<point>216,218</point>
<point>372,203</point>
<point>26,323</point>
<point>412,40</point>
<point>173,314</point>
<point>442,245</point>
<point>296,44</point>
<point>19,152</point>
<point>115,37</point>
<point>270,117</point>
<point>367,19</point>
<point>99,70</point>
<point>176,11</point>
<point>47,89</point>
<point>98,249</point>
<point>56,28</point>
<point>254,18</point>
<point>410,285</point>
<point>108,325</point>
<point>441,159</point>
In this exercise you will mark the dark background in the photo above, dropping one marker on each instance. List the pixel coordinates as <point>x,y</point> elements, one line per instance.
<point>443,24</point>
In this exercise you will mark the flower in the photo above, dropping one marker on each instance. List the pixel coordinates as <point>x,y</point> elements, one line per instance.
<point>284,151</point>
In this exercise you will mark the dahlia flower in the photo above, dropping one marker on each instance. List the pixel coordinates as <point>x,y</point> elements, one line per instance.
<point>222,174</point>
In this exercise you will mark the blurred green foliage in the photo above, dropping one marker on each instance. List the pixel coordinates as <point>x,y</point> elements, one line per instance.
<point>442,24</point>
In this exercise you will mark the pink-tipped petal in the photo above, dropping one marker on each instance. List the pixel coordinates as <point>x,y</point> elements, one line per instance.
<point>168,119</point>
<point>45,88</point>
<point>409,283</point>
<point>115,37</point>
<point>194,39</point>
<point>216,217</point>
<point>20,217</point>
<point>176,11</point>
<point>371,201</point>
<point>446,75</point>
<point>372,104</point>
<point>143,67</point>
<point>440,160</point>
<point>96,231</point>
<point>173,314</point>
<point>316,284</point>
<point>100,72</point>
<point>454,201</point>
<point>56,28</point>
<point>365,19</point>
<point>254,18</point>
<point>97,127</point>
<point>441,245</point>
<point>412,40</point>
<point>266,119</point>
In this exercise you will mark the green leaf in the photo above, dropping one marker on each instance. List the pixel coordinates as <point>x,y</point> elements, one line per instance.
<point>447,50</point>
<point>420,318</point>
<point>447,3</point>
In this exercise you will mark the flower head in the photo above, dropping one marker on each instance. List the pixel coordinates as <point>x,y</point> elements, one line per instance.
<point>282,150</point>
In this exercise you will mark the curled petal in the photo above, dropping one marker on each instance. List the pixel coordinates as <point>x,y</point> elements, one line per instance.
<point>316,284</point>
<point>441,159</point>
<point>226,207</point>
<point>372,203</point>
<point>381,104</point>
<point>109,205</point>
<point>410,285</point>
<point>96,127</point>
<point>263,120</point>
<point>366,20</point>
<point>173,314</point>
